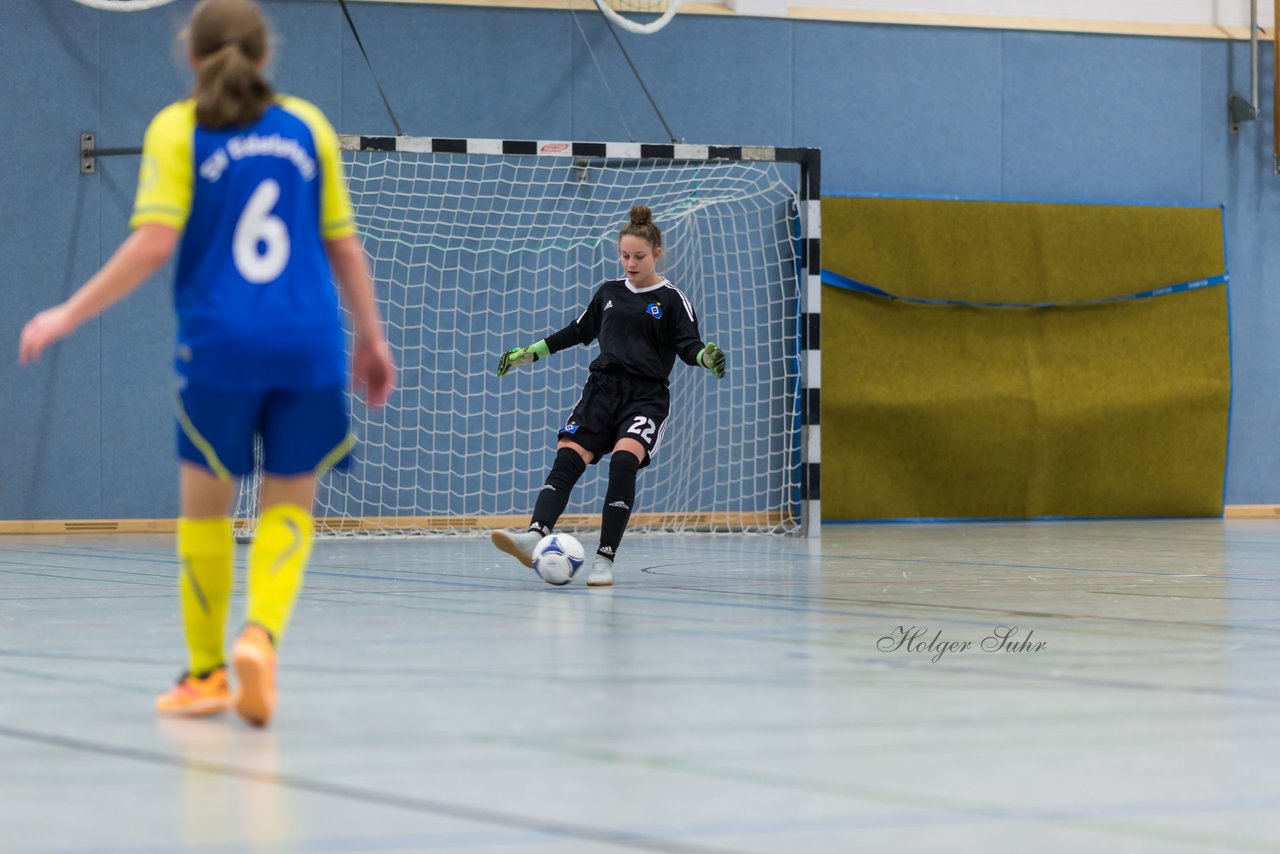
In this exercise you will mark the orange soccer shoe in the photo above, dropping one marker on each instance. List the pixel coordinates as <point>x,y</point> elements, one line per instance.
<point>197,695</point>
<point>254,658</point>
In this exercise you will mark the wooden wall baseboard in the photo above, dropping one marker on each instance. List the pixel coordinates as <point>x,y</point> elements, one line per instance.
<point>1251,511</point>
<point>429,524</point>
<point>89,526</point>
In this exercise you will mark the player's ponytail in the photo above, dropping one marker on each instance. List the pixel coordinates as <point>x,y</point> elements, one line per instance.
<point>642,226</point>
<point>228,40</point>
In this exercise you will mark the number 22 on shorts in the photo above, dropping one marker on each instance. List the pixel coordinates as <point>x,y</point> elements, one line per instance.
<point>643,427</point>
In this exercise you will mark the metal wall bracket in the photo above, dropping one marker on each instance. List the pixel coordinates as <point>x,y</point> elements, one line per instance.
<point>88,162</point>
<point>1239,111</point>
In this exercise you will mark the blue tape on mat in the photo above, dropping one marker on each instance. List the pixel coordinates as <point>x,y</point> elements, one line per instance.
<point>830,277</point>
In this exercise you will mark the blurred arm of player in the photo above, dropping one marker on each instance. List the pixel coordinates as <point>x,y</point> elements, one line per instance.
<point>372,367</point>
<point>143,253</point>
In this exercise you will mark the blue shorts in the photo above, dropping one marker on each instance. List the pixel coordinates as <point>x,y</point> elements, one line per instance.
<point>303,430</point>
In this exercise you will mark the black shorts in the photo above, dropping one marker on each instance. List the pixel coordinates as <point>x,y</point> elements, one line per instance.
<point>617,406</point>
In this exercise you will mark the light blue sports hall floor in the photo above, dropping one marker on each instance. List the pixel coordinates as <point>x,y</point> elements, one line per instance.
<point>729,694</point>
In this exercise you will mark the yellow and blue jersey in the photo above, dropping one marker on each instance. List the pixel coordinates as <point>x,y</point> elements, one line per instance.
<point>255,298</point>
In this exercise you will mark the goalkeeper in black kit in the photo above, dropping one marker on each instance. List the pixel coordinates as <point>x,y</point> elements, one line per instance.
<point>643,323</point>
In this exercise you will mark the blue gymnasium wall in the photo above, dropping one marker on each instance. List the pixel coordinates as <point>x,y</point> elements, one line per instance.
<point>896,110</point>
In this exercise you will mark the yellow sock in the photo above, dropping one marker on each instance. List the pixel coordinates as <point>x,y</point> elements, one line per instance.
<point>205,553</point>
<point>277,561</point>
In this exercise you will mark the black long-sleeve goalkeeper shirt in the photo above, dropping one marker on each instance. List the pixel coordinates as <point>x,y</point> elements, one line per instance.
<point>641,330</point>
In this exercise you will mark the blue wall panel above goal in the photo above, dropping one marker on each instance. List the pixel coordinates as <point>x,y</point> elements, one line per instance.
<point>901,110</point>
<point>456,72</point>
<point>1103,118</point>
<point>716,80</point>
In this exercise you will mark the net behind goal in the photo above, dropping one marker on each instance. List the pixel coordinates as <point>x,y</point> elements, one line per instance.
<point>474,253</point>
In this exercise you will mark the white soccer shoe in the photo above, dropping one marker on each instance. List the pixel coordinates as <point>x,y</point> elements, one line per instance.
<point>519,546</point>
<point>601,573</point>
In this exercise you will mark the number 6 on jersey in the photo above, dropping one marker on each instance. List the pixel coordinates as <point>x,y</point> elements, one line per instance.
<point>258,225</point>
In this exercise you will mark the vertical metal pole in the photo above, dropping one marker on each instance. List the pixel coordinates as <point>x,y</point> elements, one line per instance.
<point>1253,49</point>
<point>811,345</point>
<point>1238,109</point>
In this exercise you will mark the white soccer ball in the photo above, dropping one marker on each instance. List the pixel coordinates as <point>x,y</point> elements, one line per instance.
<point>557,558</point>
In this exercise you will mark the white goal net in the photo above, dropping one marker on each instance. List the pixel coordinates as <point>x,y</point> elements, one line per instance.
<point>477,253</point>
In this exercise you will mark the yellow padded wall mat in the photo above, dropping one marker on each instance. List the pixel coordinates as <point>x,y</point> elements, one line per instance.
<point>954,411</point>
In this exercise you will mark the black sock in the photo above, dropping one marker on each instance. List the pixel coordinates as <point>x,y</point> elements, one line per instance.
<point>618,499</point>
<point>554,496</point>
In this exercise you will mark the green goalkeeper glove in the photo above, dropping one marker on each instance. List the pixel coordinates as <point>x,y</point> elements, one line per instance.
<point>522,356</point>
<point>712,358</point>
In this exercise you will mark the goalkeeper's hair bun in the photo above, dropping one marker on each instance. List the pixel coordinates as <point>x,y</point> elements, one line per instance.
<point>642,226</point>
